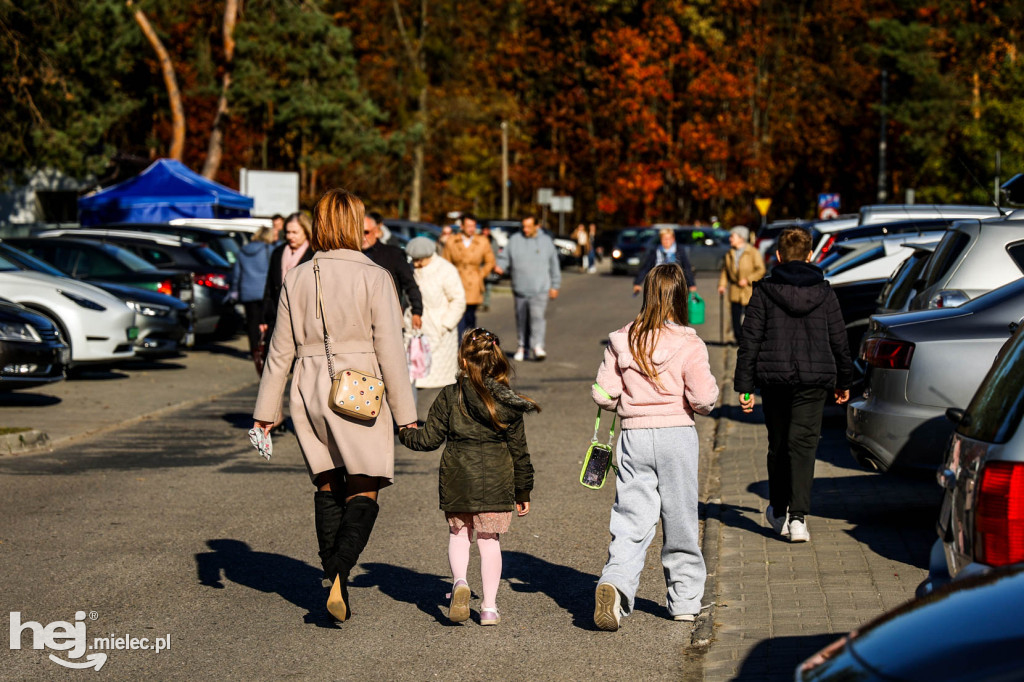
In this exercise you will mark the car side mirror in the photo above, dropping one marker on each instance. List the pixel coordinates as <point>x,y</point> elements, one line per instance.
<point>1014,326</point>
<point>955,415</point>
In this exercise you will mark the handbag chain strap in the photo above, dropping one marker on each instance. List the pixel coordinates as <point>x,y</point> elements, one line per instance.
<point>323,318</point>
<point>597,425</point>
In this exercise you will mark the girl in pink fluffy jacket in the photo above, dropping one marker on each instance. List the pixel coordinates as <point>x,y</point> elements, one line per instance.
<point>655,375</point>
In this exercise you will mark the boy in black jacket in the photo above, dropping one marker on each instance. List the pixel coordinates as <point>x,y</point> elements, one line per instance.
<point>794,349</point>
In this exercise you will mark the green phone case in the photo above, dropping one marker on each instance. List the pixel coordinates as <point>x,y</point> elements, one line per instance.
<point>599,458</point>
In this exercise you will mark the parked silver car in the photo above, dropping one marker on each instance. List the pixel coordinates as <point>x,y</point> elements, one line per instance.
<point>918,365</point>
<point>981,523</point>
<point>96,325</point>
<point>972,258</point>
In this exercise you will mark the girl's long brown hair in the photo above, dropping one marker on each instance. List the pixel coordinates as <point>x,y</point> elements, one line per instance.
<point>481,358</point>
<point>665,300</point>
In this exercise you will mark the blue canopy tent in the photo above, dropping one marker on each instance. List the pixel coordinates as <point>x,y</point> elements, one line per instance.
<point>165,190</point>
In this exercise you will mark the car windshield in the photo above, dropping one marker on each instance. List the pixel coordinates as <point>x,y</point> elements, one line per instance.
<point>208,256</point>
<point>7,266</point>
<point>28,262</point>
<point>996,409</point>
<point>635,235</point>
<point>127,258</point>
<point>855,259</point>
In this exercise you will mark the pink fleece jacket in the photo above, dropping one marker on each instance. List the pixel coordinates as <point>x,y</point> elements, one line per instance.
<point>681,360</point>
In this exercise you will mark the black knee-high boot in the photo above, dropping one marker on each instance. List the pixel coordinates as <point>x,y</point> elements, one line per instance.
<point>356,526</point>
<point>328,512</point>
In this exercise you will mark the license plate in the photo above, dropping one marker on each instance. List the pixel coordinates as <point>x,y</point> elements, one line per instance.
<point>65,356</point>
<point>133,333</point>
<point>633,261</point>
<point>190,340</point>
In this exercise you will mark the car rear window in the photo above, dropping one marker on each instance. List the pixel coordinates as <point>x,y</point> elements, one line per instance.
<point>900,287</point>
<point>996,409</point>
<point>855,259</point>
<point>946,253</point>
<point>1016,251</point>
<point>208,256</point>
<point>127,259</point>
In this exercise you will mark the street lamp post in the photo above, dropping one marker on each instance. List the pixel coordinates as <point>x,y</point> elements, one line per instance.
<point>504,170</point>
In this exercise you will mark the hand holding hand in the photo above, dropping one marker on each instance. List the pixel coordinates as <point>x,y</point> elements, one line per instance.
<point>413,425</point>
<point>522,508</point>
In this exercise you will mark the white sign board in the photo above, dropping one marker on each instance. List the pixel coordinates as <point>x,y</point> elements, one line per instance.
<point>273,191</point>
<point>561,204</point>
<point>544,195</point>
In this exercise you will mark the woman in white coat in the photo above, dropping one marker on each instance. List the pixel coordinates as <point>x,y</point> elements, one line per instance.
<point>444,302</point>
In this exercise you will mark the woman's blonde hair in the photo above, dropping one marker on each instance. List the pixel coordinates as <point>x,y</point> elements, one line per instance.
<point>480,358</point>
<point>665,300</point>
<point>264,234</point>
<point>338,221</point>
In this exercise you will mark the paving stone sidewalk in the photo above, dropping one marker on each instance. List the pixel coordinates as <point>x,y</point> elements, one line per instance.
<point>776,602</point>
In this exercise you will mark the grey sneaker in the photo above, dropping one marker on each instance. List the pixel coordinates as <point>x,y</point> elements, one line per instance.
<point>607,607</point>
<point>798,531</point>
<point>779,524</point>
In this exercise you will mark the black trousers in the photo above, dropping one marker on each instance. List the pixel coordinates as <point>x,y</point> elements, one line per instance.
<point>468,320</point>
<point>737,310</point>
<point>793,417</point>
<point>253,319</point>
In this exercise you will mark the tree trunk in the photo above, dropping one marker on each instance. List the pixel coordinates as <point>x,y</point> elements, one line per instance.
<point>170,81</point>
<point>215,148</point>
<point>418,163</point>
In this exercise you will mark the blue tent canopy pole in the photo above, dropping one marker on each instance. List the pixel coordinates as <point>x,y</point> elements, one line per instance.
<point>167,189</point>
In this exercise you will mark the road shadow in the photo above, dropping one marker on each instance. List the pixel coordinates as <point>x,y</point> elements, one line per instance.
<point>571,589</point>
<point>17,399</point>
<point>423,590</point>
<point>153,364</point>
<point>776,659</point>
<point>215,348</point>
<point>294,581</point>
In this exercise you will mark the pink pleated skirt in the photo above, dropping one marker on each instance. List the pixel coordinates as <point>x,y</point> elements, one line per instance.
<point>483,522</point>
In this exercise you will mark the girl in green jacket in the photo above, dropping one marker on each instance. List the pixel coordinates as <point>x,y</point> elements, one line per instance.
<point>485,471</point>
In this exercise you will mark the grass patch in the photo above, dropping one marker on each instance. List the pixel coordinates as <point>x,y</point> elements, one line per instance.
<point>5,430</point>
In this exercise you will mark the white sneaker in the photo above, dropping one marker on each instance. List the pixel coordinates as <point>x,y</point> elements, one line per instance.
<point>607,607</point>
<point>798,531</point>
<point>539,353</point>
<point>685,617</point>
<point>520,354</point>
<point>779,524</point>
<point>592,269</point>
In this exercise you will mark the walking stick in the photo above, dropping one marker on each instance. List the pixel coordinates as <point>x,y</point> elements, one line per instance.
<point>721,318</point>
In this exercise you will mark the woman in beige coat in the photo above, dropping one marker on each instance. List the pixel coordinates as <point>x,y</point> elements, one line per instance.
<point>349,460</point>
<point>742,267</point>
<point>472,256</point>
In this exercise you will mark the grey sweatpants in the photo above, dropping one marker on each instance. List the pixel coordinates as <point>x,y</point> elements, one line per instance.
<point>657,478</point>
<point>530,323</point>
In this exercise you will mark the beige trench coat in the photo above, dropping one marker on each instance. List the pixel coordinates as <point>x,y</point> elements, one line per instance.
<point>473,263</point>
<point>750,267</point>
<point>363,317</point>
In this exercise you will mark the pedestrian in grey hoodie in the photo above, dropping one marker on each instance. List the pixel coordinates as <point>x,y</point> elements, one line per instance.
<point>532,259</point>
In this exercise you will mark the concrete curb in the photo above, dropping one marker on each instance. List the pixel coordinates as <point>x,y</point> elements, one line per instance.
<point>22,441</point>
<point>704,626</point>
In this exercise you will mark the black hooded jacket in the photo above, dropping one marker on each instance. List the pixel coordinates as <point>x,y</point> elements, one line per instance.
<point>482,468</point>
<point>793,333</point>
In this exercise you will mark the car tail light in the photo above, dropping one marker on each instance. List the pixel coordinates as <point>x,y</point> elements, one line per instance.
<point>999,515</point>
<point>830,241</point>
<point>213,280</point>
<point>165,287</point>
<point>887,353</point>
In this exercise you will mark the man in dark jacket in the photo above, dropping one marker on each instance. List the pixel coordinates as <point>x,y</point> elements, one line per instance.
<point>794,349</point>
<point>393,259</point>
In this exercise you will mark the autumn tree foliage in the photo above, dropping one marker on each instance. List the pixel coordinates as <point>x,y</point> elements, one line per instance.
<point>642,110</point>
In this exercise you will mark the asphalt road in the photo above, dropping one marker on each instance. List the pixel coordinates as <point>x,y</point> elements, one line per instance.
<point>173,526</point>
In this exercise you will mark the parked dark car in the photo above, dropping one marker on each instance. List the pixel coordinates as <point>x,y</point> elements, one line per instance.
<point>981,523</point>
<point>165,323</point>
<point>970,630</point>
<point>832,240</point>
<point>31,350</point>
<point>410,229</point>
<point>211,274</point>
<point>630,249</point>
<point>224,242</point>
<point>705,247</point>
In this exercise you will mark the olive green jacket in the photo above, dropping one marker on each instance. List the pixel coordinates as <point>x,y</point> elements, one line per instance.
<point>482,468</point>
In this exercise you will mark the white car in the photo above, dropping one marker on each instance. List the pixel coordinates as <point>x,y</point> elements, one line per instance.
<point>96,325</point>
<point>873,257</point>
